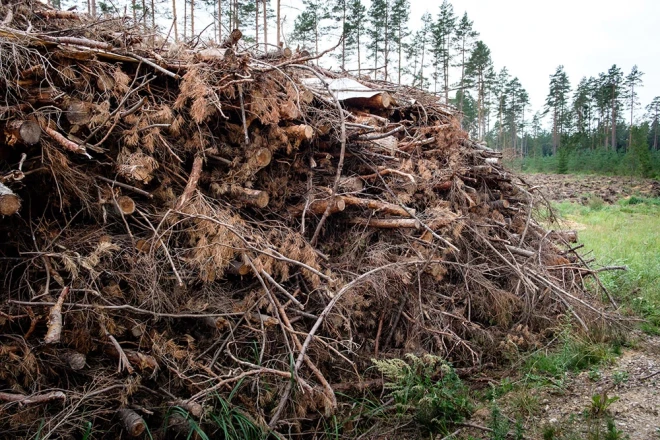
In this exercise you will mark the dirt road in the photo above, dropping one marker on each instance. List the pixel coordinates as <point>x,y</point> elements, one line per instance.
<point>560,187</point>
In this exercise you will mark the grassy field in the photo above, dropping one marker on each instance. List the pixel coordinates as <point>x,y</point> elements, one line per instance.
<point>626,233</point>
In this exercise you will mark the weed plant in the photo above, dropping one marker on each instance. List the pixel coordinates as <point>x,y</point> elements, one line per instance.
<point>428,390</point>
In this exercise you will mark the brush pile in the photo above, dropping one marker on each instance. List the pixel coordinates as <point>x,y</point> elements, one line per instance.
<point>194,234</point>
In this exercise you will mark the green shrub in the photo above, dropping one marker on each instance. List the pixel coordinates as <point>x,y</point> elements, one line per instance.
<point>427,389</point>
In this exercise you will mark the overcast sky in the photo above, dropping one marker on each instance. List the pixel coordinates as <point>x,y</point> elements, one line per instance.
<point>532,37</point>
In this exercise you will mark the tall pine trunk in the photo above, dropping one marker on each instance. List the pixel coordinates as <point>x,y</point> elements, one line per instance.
<point>613,117</point>
<point>219,21</point>
<point>174,18</point>
<point>400,53</point>
<point>386,54</point>
<point>278,24</point>
<point>632,108</point>
<point>256,24</point>
<point>192,18</point>
<point>266,26</point>
<point>460,103</point>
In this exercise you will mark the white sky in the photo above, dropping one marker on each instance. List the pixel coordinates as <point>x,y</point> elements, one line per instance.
<point>532,37</point>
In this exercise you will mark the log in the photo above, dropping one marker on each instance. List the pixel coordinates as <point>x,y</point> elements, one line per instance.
<point>132,422</point>
<point>238,267</point>
<point>248,196</point>
<point>217,323</point>
<point>568,236</point>
<point>318,207</point>
<point>232,39</point>
<point>500,204</point>
<point>444,186</point>
<point>26,132</point>
<point>79,112</point>
<point>519,251</point>
<point>75,360</point>
<point>260,157</point>
<point>299,132</point>
<point>55,320</point>
<point>62,15</point>
<point>64,142</point>
<point>306,96</point>
<point>193,408</point>
<point>124,205</point>
<point>387,223</point>
<point>10,203</point>
<point>34,399</point>
<point>376,205</point>
<point>380,101</point>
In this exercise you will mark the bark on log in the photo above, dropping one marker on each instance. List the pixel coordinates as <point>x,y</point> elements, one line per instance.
<point>34,399</point>
<point>318,207</point>
<point>500,204</point>
<point>232,39</point>
<point>568,236</point>
<point>75,360</point>
<point>10,204</point>
<point>380,101</point>
<point>299,132</point>
<point>62,15</point>
<point>55,320</point>
<point>132,422</point>
<point>387,223</point>
<point>248,196</point>
<point>64,142</point>
<point>382,207</point>
<point>444,186</point>
<point>194,408</point>
<point>238,267</point>
<point>26,132</point>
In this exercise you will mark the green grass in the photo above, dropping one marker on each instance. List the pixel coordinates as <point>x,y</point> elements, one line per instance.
<point>626,233</point>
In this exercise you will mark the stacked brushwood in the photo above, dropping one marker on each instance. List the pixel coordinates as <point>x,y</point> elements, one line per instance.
<point>189,232</point>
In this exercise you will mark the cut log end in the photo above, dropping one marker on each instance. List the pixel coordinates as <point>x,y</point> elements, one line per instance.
<point>132,422</point>
<point>27,132</point>
<point>125,205</point>
<point>76,361</point>
<point>10,204</point>
<point>262,157</point>
<point>300,132</point>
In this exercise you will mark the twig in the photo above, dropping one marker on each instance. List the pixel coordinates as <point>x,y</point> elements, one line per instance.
<point>195,174</point>
<point>125,186</point>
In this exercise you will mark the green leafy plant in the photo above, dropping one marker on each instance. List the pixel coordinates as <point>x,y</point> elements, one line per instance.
<point>498,424</point>
<point>620,377</point>
<point>427,388</point>
<point>600,403</point>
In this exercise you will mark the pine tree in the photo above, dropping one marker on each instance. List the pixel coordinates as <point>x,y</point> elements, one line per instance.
<point>400,17</point>
<point>464,39</point>
<point>338,13</point>
<point>378,32</point>
<point>307,26</point>
<point>355,29</point>
<point>499,91</point>
<point>653,110</point>
<point>477,71</point>
<point>614,82</point>
<point>632,81</point>
<point>417,51</point>
<point>443,31</point>
<point>557,102</point>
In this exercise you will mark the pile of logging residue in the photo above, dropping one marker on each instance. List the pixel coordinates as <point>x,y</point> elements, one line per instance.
<point>187,231</point>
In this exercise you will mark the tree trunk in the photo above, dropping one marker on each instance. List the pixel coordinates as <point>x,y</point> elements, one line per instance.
<point>266,26</point>
<point>632,105</point>
<point>174,18</point>
<point>613,118</point>
<point>279,34</point>
<point>386,35</point>
<point>387,223</point>
<point>132,422</point>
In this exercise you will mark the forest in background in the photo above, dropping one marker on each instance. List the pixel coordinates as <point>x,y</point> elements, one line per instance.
<point>596,124</point>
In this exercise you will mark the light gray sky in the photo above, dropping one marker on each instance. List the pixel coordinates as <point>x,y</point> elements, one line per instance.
<point>532,37</point>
